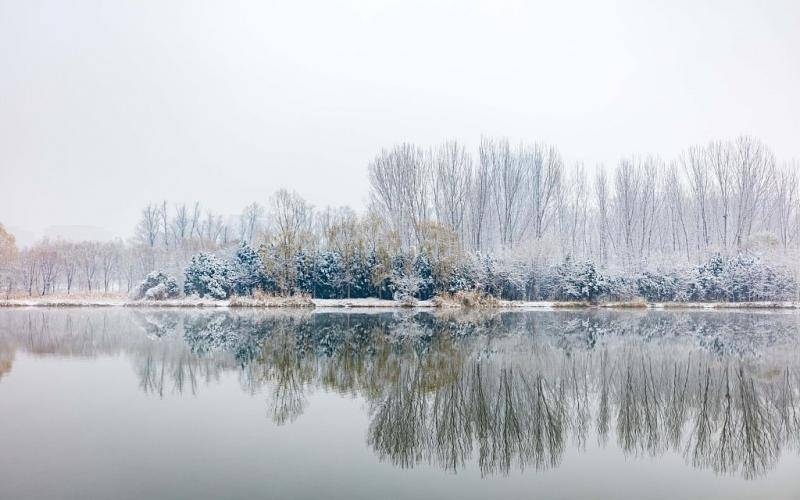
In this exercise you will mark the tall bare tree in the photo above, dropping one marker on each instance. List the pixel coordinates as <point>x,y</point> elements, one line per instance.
<point>510,181</point>
<point>149,224</point>
<point>452,177</point>
<point>399,189</point>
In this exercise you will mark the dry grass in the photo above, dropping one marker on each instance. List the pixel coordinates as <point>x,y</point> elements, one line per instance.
<point>628,304</point>
<point>466,299</point>
<point>81,299</point>
<point>73,296</point>
<point>260,299</point>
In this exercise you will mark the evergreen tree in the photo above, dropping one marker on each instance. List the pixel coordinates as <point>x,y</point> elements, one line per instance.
<point>306,273</point>
<point>245,270</point>
<point>206,275</point>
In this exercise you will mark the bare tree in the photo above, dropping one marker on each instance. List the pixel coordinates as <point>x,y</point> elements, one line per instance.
<point>88,257</point>
<point>180,224</point>
<point>695,163</point>
<point>545,168</point>
<point>627,184</point>
<point>603,201</point>
<point>28,270</point>
<point>48,260</point>
<point>451,176</point>
<point>675,203</point>
<point>399,189</point>
<point>754,173</point>
<point>575,212</point>
<point>249,221</point>
<point>68,263</point>
<point>719,157</point>
<point>786,202</point>
<point>292,219</point>
<point>148,228</point>
<point>195,224</point>
<point>480,194</point>
<point>510,178</point>
<point>109,256</point>
<point>164,222</point>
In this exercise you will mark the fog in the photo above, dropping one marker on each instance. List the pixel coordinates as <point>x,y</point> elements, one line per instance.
<point>105,107</point>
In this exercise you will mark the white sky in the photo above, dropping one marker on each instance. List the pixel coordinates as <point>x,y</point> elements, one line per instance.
<point>105,106</point>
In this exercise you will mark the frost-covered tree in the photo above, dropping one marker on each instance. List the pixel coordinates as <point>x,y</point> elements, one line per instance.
<point>328,275</point>
<point>306,273</point>
<point>157,285</point>
<point>423,269</point>
<point>245,271</point>
<point>206,276</point>
<point>581,281</point>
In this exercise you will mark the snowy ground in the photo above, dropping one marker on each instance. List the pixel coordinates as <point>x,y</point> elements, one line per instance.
<point>110,301</point>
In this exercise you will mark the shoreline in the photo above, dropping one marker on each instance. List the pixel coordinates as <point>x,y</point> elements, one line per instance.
<point>338,304</point>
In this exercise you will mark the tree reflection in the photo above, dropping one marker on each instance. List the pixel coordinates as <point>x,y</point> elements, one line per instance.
<point>506,390</point>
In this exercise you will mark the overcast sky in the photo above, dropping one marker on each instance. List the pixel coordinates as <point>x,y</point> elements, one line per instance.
<point>105,106</point>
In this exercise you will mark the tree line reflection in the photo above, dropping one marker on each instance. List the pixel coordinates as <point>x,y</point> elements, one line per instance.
<point>507,390</point>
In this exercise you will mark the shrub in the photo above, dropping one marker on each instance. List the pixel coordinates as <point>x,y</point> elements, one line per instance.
<point>581,281</point>
<point>156,286</point>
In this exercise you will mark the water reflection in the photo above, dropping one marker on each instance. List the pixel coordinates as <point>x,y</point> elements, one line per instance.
<point>508,390</point>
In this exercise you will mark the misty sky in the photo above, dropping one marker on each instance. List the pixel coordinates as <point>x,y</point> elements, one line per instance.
<point>105,106</point>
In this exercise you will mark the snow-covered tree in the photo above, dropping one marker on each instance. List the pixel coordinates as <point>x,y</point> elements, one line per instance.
<point>245,271</point>
<point>328,275</point>
<point>156,286</point>
<point>206,276</point>
<point>581,281</point>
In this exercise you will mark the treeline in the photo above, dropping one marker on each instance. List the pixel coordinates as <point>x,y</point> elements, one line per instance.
<point>724,196</point>
<point>516,205</point>
<point>408,277</point>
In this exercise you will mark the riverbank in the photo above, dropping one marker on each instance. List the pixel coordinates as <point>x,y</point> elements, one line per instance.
<point>370,303</point>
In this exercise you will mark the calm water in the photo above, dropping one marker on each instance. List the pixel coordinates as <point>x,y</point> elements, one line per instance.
<point>123,403</point>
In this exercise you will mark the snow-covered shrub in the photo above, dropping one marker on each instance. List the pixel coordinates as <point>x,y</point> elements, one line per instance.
<point>461,279</point>
<point>271,268</point>
<point>406,287</point>
<point>621,287</point>
<point>544,282</point>
<point>778,283</point>
<point>510,281</point>
<point>380,274</point>
<point>206,275</point>
<point>304,271</point>
<point>581,281</point>
<point>156,286</point>
<point>486,275</point>
<point>358,276</point>
<point>741,278</point>
<point>328,275</point>
<point>748,278</point>
<point>424,270</point>
<point>405,283</point>
<point>245,271</point>
<point>707,281</point>
<point>660,286</point>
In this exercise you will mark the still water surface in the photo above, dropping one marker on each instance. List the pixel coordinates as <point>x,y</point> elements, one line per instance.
<point>189,404</point>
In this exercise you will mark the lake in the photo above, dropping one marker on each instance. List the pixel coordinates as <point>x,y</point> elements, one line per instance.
<point>189,404</point>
